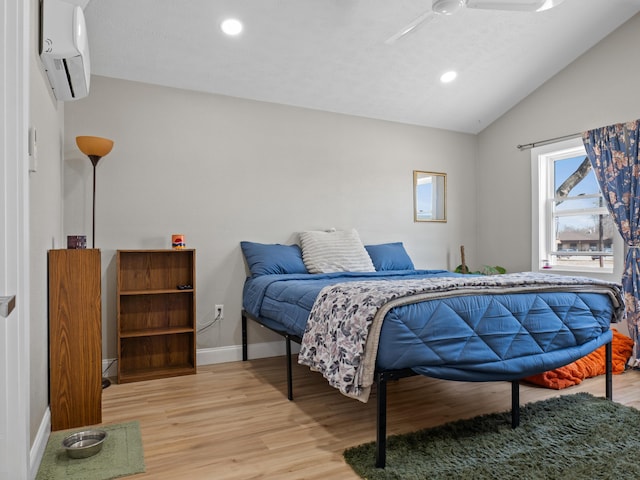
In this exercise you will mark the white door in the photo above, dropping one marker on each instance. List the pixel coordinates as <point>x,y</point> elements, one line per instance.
<point>14,240</point>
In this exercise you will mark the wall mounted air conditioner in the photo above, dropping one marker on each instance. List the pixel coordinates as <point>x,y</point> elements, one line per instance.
<point>64,49</point>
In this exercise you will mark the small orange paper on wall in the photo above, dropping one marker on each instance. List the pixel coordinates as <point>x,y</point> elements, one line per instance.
<point>588,366</point>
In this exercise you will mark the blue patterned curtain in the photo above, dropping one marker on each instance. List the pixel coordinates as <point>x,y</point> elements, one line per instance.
<point>613,152</point>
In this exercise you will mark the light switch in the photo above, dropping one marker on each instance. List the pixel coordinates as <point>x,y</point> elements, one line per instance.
<point>33,150</point>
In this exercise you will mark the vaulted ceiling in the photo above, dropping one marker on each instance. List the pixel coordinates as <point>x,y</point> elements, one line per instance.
<point>332,55</point>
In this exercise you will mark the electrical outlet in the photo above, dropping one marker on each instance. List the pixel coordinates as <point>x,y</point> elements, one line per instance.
<point>219,311</point>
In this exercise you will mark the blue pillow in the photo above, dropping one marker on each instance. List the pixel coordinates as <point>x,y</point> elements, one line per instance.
<point>272,259</point>
<point>389,256</point>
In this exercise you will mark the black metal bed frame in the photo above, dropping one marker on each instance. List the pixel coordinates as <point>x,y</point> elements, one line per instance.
<point>383,376</point>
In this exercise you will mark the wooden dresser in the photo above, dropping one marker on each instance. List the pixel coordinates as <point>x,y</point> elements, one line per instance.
<point>75,338</point>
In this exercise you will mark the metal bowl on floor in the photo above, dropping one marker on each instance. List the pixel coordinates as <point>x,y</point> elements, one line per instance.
<point>84,444</point>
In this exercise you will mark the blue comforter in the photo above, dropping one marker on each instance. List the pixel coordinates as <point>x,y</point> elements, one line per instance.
<point>472,338</point>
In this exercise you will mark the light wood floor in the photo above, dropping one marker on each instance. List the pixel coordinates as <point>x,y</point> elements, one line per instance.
<point>233,420</point>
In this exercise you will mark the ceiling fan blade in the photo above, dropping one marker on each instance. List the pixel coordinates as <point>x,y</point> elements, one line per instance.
<point>424,18</point>
<point>448,7</point>
<point>514,5</point>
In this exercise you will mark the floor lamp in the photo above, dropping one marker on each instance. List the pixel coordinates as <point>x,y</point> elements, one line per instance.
<point>95,148</point>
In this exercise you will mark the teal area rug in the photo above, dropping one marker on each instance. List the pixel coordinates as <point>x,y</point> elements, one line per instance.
<point>571,437</point>
<point>121,455</point>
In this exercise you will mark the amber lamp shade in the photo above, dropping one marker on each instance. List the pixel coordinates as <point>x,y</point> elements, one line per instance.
<point>95,148</point>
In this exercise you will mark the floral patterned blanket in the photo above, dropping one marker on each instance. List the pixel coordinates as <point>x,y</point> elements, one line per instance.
<point>342,333</point>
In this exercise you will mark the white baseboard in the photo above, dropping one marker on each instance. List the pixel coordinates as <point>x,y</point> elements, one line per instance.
<point>39,444</point>
<point>211,356</point>
<point>109,367</point>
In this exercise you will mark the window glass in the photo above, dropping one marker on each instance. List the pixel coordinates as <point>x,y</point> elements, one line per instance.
<point>572,228</point>
<point>579,169</point>
<point>582,229</point>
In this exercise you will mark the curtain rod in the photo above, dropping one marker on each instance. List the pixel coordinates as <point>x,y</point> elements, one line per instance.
<point>531,145</point>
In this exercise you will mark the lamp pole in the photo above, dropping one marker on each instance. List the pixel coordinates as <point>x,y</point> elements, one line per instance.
<point>94,161</point>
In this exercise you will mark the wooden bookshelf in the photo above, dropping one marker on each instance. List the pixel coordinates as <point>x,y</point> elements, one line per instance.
<point>156,319</point>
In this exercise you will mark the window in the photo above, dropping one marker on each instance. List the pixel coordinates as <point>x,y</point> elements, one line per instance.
<point>572,228</point>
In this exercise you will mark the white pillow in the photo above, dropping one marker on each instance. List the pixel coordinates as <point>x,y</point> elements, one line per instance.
<point>334,251</point>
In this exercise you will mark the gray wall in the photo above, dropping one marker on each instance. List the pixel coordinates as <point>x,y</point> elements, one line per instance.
<point>600,88</point>
<point>221,170</point>
<point>45,198</point>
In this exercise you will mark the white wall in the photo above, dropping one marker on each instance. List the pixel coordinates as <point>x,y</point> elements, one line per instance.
<point>600,88</point>
<point>221,170</point>
<point>45,197</point>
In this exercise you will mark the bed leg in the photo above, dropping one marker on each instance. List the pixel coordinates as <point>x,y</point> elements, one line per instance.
<point>515,403</point>
<point>245,354</point>
<point>381,422</point>
<point>289,370</point>
<point>609,370</point>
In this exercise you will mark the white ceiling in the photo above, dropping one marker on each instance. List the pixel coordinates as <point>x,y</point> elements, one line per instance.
<point>331,54</point>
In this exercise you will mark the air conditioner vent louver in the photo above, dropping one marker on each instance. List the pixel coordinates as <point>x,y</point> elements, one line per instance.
<point>65,50</point>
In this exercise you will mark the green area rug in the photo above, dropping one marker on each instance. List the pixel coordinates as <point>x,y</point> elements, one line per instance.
<point>121,455</point>
<point>571,437</point>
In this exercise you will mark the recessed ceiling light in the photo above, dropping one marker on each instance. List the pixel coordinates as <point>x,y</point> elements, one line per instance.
<point>231,26</point>
<point>448,77</point>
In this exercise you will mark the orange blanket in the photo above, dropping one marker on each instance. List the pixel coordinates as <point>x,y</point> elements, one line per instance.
<point>588,366</point>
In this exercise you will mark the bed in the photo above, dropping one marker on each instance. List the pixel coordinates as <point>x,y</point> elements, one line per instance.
<point>388,320</point>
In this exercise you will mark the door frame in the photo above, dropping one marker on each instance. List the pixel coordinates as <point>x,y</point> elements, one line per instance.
<point>14,240</point>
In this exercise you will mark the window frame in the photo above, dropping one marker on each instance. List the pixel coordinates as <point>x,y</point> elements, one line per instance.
<point>543,194</point>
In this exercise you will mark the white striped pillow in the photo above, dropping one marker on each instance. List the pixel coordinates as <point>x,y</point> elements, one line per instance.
<point>334,251</point>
